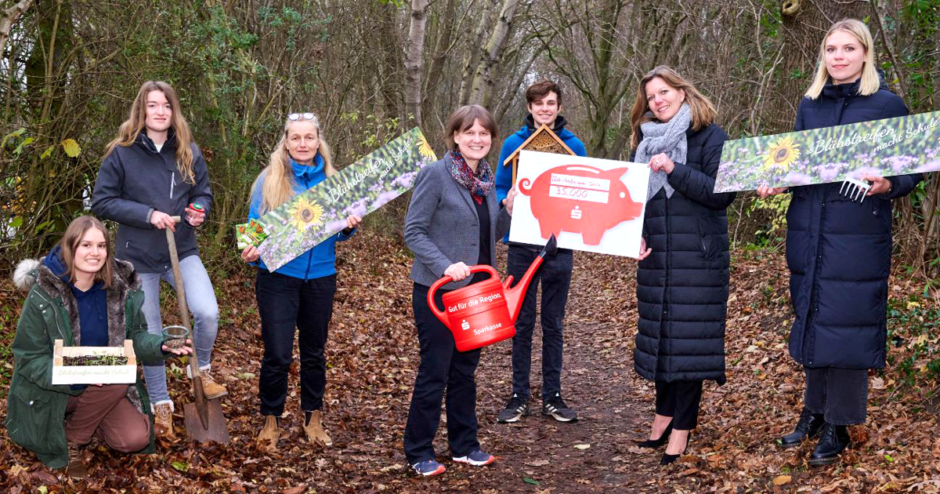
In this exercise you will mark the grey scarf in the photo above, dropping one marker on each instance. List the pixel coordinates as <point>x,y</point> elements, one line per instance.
<point>666,138</point>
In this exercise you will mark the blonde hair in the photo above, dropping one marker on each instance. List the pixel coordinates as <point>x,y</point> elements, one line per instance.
<point>73,237</point>
<point>277,179</point>
<point>135,122</point>
<point>702,109</point>
<point>870,82</point>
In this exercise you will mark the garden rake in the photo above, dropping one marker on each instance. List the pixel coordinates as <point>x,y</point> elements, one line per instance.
<point>855,189</point>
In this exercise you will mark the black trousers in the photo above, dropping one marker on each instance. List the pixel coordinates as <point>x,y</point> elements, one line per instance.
<point>841,395</point>
<point>442,369</point>
<point>285,303</point>
<point>679,400</point>
<point>555,277</point>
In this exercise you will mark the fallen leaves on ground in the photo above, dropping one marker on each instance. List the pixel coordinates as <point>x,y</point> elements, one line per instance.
<point>372,356</point>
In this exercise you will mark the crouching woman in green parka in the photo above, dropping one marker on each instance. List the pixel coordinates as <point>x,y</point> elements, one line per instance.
<point>81,295</point>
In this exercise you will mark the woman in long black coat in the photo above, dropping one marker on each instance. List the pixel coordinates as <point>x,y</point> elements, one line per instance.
<point>682,280</point>
<point>839,251</point>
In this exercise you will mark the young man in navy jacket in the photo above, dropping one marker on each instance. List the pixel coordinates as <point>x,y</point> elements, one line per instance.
<point>543,100</point>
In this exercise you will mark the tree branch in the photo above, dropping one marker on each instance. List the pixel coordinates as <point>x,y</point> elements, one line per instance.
<point>10,16</point>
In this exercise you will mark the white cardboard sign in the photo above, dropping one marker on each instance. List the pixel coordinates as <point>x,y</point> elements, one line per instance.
<point>590,204</point>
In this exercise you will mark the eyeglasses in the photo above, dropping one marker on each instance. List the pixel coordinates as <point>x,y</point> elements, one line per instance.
<point>293,117</point>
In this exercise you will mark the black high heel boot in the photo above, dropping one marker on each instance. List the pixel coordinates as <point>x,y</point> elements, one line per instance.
<point>655,443</point>
<point>668,459</point>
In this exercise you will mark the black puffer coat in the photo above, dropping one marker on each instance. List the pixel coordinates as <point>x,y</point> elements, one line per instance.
<point>136,180</point>
<point>839,250</point>
<point>682,287</point>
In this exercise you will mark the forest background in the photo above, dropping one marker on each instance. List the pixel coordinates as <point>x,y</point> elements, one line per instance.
<point>372,69</point>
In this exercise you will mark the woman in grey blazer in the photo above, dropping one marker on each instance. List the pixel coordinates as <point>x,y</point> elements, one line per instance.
<point>452,223</point>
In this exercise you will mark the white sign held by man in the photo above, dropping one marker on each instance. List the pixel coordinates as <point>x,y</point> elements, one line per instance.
<point>590,204</point>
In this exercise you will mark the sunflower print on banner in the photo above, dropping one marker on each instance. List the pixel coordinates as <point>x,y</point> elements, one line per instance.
<point>783,154</point>
<point>889,147</point>
<point>305,214</point>
<point>358,189</point>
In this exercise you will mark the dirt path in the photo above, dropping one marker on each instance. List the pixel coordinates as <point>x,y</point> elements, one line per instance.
<point>372,357</point>
<point>539,454</point>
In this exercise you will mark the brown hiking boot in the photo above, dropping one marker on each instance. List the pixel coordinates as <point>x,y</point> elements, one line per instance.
<point>163,421</point>
<point>213,389</point>
<point>269,433</point>
<point>76,468</point>
<point>314,429</point>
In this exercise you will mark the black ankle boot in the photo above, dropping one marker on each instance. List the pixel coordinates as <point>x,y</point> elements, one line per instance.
<point>810,425</point>
<point>655,443</point>
<point>834,440</point>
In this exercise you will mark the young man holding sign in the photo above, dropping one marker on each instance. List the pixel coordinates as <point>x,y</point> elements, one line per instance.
<point>543,101</point>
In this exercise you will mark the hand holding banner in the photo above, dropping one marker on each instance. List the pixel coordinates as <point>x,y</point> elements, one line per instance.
<point>358,189</point>
<point>889,147</point>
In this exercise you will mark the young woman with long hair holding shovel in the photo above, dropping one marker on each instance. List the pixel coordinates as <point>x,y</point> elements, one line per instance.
<point>153,171</point>
<point>80,294</point>
<point>300,293</point>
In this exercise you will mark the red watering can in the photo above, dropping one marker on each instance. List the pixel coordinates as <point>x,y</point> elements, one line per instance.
<point>485,313</point>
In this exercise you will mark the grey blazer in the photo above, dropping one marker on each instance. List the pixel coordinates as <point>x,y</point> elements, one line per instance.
<point>442,226</point>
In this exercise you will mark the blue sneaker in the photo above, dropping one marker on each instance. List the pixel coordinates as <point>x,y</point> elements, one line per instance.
<point>428,468</point>
<point>476,458</point>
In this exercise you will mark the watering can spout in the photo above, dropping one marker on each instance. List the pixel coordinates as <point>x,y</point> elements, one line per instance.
<point>515,295</point>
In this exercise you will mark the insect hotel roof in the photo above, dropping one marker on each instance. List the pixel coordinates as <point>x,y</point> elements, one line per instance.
<point>542,140</point>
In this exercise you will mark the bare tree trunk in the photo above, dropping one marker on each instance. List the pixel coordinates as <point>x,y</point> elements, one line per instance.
<point>481,90</point>
<point>414,59</point>
<point>9,18</point>
<point>443,50</point>
<point>805,22</point>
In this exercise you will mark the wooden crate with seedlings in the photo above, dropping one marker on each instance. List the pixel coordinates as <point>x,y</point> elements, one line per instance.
<point>94,364</point>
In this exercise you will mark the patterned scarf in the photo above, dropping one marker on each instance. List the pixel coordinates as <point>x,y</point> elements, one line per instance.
<point>479,183</point>
<point>666,138</point>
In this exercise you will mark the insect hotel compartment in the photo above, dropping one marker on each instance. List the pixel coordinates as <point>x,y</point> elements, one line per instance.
<point>94,364</point>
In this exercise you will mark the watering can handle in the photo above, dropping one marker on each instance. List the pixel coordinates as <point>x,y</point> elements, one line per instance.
<point>447,279</point>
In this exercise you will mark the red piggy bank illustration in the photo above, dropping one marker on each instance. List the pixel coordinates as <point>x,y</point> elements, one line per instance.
<point>580,199</point>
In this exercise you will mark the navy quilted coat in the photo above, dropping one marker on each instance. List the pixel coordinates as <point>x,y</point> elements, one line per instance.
<point>838,250</point>
<point>682,287</point>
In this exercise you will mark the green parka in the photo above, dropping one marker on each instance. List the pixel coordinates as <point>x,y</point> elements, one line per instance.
<point>35,408</point>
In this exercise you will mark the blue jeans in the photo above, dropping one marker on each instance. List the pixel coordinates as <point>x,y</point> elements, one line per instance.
<point>200,297</point>
<point>555,278</point>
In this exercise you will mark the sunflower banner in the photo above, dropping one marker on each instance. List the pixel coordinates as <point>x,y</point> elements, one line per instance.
<point>894,146</point>
<point>358,189</point>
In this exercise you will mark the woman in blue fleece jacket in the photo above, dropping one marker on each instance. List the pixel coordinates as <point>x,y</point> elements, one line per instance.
<point>300,293</point>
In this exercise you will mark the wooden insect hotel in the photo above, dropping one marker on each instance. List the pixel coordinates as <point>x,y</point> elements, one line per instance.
<point>542,140</point>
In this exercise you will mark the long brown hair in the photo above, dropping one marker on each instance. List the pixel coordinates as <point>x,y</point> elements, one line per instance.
<point>703,111</point>
<point>134,124</point>
<point>73,237</point>
<point>278,176</point>
<point>870,82</point>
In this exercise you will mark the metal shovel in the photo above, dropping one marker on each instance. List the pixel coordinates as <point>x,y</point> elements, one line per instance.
<point>204,419</point>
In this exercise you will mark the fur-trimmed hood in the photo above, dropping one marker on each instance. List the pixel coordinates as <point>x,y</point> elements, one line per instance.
<point>28,271</point>
<point>31,272</point>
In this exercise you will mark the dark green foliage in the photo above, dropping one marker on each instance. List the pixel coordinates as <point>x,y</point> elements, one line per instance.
<point>94,360</point>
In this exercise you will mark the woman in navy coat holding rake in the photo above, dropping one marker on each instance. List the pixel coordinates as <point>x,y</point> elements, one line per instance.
<point>839,251</point>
